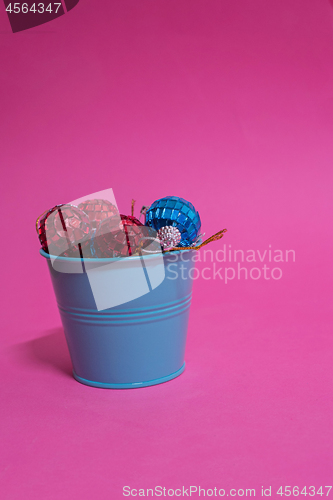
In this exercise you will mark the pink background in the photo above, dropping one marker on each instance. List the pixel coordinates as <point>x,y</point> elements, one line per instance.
<point>228,104</point>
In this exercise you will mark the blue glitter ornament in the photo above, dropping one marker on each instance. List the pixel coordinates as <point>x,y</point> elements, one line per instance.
<point>177,212</point>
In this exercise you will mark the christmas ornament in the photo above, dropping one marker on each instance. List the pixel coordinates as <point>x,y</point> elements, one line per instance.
<point>176,212</point>
<point>118,239</point>
<point>171,223</point>
<point>65,230</point>
<point>169,237</point>
<point>150,242</point>
<point>98,210</point>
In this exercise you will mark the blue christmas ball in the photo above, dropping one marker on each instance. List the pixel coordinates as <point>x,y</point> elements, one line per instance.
<point>177,212</point>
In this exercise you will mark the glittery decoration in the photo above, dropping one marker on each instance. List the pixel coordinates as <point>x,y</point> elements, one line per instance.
<point>65,230</point>
<point>41,226</point>
<point>98,210</point>
<point>169,237</point>
<point>118,239</point>
<point>176,212</point>
<point>215,237</point>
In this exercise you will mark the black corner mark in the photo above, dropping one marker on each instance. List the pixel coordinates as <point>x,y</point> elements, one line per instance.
<point>24,15</point>
<point>70,4</point>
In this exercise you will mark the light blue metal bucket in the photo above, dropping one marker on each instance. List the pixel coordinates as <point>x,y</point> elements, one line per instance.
<point>135,344</point>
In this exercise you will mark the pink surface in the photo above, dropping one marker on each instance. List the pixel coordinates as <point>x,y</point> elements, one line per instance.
<point>229,105</point>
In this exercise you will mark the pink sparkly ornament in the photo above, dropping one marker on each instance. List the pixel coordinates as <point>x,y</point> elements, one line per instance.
<point>169,237</point>
<point>98,210</point>
<point>118,239</point>
<point>65,230</point>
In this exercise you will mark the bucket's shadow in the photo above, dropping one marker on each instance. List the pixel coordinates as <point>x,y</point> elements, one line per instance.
<point>49,350</point>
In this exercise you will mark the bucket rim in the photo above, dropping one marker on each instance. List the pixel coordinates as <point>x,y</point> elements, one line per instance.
<point>111,259</point>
